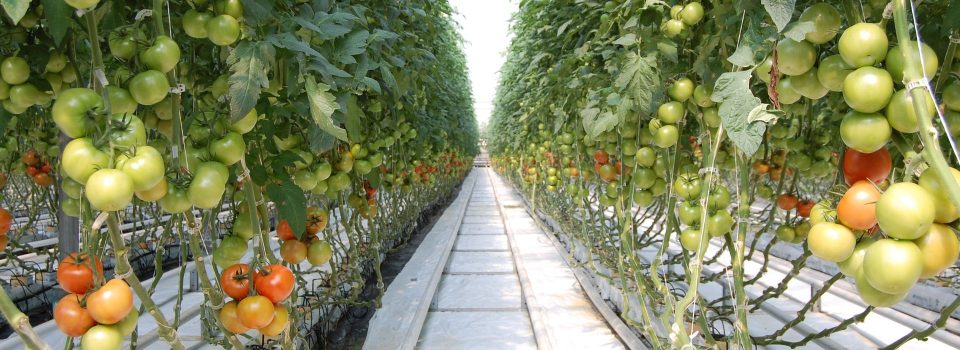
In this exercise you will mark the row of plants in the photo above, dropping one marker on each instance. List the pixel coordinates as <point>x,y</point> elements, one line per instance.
<point>203,123</point>
<point>740,125</point>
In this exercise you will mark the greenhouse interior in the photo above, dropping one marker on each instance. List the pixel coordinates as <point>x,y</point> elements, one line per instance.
<point>479,174</point>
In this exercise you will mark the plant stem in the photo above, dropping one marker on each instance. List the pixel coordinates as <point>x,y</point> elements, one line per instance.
<point>737,252</point>
<point>168,333</point>
<point>20,323</point>
<point>928,133</point>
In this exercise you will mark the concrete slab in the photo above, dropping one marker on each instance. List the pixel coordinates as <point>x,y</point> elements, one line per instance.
<point>481,229</point>
<point>483,292</point>
<point>481,242</point>
<point>480,262</point>
<point>477,331</point>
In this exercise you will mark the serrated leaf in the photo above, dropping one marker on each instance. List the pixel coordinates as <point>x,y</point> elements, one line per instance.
<point>640,78</point>
<point>741,113</point>
<point>756,42</point>
<point>798,30</point>
<point>249,64</point>
<point>15,8</point>
<point>563,27</point>
<point>627,40</point>
<point>57,14</point>
<point>322,106</point>
<point>780,10</point>
<point>291,204</point>
<point>742,57</point>
<point>292,42</point>
<point>371,83</point>
<point>320,141</point>
<point>353,44</point>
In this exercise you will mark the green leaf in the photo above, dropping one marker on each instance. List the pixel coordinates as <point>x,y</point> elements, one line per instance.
<point>354,115</point>
<point>742,57</point>
<point>756,42</point>
<point>249,63</point>
<point>57,14</point>
<point>320,140</point>
<point>640,77</point>
<point>15,8</point>
<point>627,40</point>
<point>257,171</point>
<point>291,204</point>
<point>741,113</point>
<point>322,106</point>
<point>780,10</point>
<point>353,44</point>
<point>256,11</point>
<point>798,30</point>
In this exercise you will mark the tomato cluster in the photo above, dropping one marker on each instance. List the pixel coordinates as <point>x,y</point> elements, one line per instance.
<point>102,316</point>
<point>257,305</point>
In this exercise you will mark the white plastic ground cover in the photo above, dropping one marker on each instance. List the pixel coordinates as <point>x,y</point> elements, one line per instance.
<point>406,302</point>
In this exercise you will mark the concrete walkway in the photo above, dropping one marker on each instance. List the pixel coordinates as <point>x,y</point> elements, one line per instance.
<point>505,286</point>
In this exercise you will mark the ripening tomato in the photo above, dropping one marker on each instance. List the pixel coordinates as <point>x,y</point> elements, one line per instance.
<point>102,337</point>
<point>274,282</point>
<point>235,281</point>
<point>280,319</point>
<point>874,297</point>
<point>852,266</point>
<point>831,242</point>
<point>804,207</point>
<point>893,266</point>
<point>255,311</point>
<point>111,303</point>
<point>75,275</point>
<point>72,319</point>
<point>857,208</point>
<point>905,211</point>
<point>319,252</point>
<point>945,211</point>
<point>939,248</point>
<point>230,319</point>
<point>874,167</point>
<point>293,251</point>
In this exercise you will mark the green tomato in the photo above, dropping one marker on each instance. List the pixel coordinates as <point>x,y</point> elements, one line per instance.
<point>162,56</point>
<point>688,186</point>
<point>323,170</point>
<point>195,23</point>
<point>690,240</point>
<point>120,100</point>
<point>14,70</point>
<point>868,89</point>
<point>245,124</point>
<point>176,201</point>
<point>319,252</point>
<point>644,178</point>
<point>672,28</point>
<point>81,159</point>
<point>945,211</point>
<point>762,71</point>
<point>689,213</point>
<point>711,117</point>
<point>80,5</point>
<point>71,108</point>
<point>100,337</point>
<point>71,207</point>
<point>795,57</point>
<point>865,132</point>
<point>681,90</point>
<point>339,181</point>
<point>873,297</point>
<point>905,211</point>
<point>127,131</point>
<point>691,13</point>
<point>893,266</point>
<point>863,44</point>
<point>832,72</point>
<point>121,47</point>
<point>223,30</point>
<point>826,22</point>
<point>645,157</point>
<point>128,324</point>
<point>903,116</point>
<point>149,87</point>
<point>851,267</point>
<point>208,185</point>
<point>306,179</point>
<point>145,167</point>
<point>109,190</point>
<point>951,96</point>
<point>233,8</point>
<point>809,86</point>
<point>831,242</point>
<point>229,149</point>
<point>719,198</point>
<point>786,91</point>
<point>895,63</point>
<point>671,112</point>
<point>702,96</point>
<point>71,188</point>
<point>666,136</point>
<point>786,233</point>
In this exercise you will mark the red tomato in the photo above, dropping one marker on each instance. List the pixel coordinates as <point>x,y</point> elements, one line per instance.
<point>75,275</point>
<point>787,201</point>
<point>601,157</point>
<point>866,166</point>
<point>274,282</point>
<point>857,209</point>
<point>5,220</point>
<point>72,319</point>
<point>235,281</point>
<point>804,207</point>
<point>284,231</point>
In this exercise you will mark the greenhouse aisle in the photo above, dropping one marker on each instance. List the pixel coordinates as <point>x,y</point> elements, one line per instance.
<point>505,286</point>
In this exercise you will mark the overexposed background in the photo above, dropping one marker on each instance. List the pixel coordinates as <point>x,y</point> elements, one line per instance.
<point>485,26</point>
